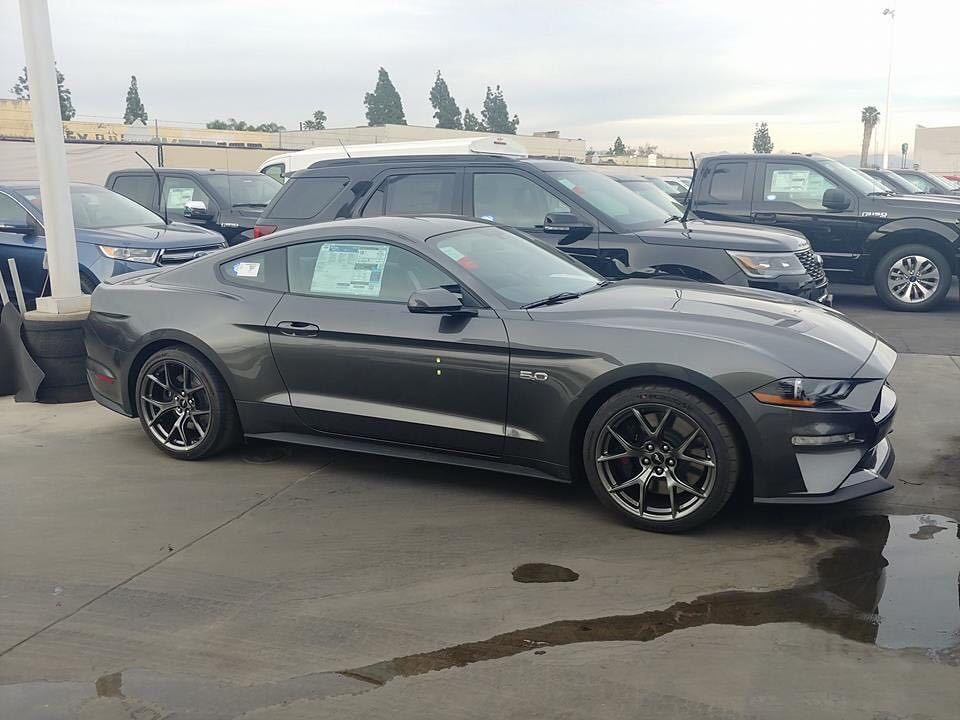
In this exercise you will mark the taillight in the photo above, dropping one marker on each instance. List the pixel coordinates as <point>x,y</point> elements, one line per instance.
<point>260,230</point>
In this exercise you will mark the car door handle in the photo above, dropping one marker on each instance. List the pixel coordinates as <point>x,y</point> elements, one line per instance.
<point>295,328</point>
<point>765,217</point>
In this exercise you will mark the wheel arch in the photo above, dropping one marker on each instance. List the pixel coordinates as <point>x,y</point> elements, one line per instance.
<point>918,232</point>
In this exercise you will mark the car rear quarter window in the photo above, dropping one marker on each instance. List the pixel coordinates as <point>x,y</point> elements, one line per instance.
<point>306,197</point>
<point>139,188</point>
<point>727,181</point>
<point>264,270</point>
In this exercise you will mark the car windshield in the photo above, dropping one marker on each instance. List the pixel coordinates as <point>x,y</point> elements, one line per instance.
<point>245,190</point>
<point>938,182</point>
<point>95,208</point>
<point>649,191</point>
<point>516,268</point>
<point>859,181</point>
<point>611,198</point>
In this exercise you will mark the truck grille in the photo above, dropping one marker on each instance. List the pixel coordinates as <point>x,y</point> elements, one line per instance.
<point>176,256</point>
<point>812,265</point>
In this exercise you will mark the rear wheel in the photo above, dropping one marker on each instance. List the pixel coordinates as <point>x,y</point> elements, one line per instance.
<point>913,278</point>
<point>184,405</point>
<point>661,457</point>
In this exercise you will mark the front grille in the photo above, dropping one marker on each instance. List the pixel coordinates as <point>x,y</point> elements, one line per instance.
<point>176,256</point>
<point>812,265</point>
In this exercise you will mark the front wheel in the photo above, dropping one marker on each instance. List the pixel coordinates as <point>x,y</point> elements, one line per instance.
<point>913,278</point>
<point>661,457</point>
<point>184,405</point>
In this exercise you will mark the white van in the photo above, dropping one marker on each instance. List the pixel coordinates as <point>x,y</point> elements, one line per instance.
<point>279,166</point>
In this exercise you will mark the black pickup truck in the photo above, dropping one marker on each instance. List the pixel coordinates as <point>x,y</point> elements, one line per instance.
<point>905,246</point>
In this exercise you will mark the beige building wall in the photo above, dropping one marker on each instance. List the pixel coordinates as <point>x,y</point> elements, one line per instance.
<point>937,149</point>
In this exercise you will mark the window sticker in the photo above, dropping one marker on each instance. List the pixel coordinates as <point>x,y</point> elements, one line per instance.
<point>247,269</point>
<point>789,181</point>
<point>487,217</point>
<point>452,253</point>
<point>349,269</point>
<point>178,197</point>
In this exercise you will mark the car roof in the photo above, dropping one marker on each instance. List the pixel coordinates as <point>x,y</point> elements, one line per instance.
<point>767,156</point>
<point>35,184</point>
<point>417,228</point>
<point>472,159</point>
<point>194,171</point>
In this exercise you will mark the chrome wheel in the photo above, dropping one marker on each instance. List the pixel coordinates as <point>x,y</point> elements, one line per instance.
<point>656,462</point>
<point>913,279</point>
<point>175,405</point>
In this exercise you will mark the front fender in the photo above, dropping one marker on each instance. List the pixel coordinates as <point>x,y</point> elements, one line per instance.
<point>949,234</point>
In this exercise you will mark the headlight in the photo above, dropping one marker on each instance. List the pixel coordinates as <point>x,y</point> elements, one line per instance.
<point>140,255</point>
<point>768,265</point>
<point>803,392</point>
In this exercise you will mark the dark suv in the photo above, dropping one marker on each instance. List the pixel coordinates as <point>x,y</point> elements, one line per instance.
<point>929,183</point>
<point>575,208</point>
<point>228,201</point>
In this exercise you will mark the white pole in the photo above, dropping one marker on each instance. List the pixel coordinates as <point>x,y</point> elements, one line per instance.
<point>886,123</point>
<point>51,161</point>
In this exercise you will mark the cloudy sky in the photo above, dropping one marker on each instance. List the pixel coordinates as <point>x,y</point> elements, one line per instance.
<point>682,74</point>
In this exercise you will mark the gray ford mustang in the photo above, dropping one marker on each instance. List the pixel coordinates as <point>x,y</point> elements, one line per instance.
<point>463,342</point>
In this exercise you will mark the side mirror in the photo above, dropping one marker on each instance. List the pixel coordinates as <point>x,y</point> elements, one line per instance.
<point>437,301</point>
<point>835,199</point>
<point>197,210</point>
<point>561,223</point>
<point>18,229</point>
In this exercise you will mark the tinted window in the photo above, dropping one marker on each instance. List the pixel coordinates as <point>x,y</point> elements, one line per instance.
<point>513,200</point>
<point>361,269</point>
<point>274,171</point>
<point>252,191</point>
<point>265,270</point>
<point>95,208</point>
<point>610,197</point>
<point>418,194</point>
<point>12,213</point>
<point>307,197</point>
<point>178,191</point>
<point>139,188</point>
<point>726,182</point>
<point>797,184</point>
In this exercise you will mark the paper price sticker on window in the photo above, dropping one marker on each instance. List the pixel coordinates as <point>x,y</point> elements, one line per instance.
<point>247,269</point>
<point>349,269</point>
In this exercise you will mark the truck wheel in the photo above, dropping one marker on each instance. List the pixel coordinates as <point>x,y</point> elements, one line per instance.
<point>913,278</point>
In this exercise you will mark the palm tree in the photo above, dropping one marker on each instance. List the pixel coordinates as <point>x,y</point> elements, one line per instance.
<point>870,116</point>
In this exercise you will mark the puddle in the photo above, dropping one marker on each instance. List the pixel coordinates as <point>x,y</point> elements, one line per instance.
<point>544,573</point>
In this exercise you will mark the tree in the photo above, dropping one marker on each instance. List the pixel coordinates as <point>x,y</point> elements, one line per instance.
<point>135,109</point>
<point>646,149</point>
<point>471,122</point>
<point>318,123</point>
<point>21,91</point>
<point>761,139</point>
<point>870,117</point>
<point>447,112</point>
<point>496,117</point>
<point>383,104</point>
<point>234,124</point>
<point>618,147</point>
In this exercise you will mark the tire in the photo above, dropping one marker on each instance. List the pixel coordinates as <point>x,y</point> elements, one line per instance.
<point>63,372</point>
<point>195,392</point>
<point>667,435</point>
<point>917,269</point>
<point>48,339</point>
<point>64,393</point>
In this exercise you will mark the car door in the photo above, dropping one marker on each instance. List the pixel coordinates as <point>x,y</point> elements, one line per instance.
<point>178,190</point>
<point>521,201</point>
<point>139,187</point>
<point>358,363</point>
<point>724,191</point>
<point>790,195</point>
<point>410,191</point>
<point>21,238</point>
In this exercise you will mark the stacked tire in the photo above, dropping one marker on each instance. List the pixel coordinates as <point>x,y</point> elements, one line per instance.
<point>56,346</point>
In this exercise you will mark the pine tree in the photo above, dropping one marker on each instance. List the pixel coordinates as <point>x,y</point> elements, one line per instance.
<point>135,110</point>
<point>471,122</point>
<point>618,147</point>
<point>761,139</point>
<point>496,117</point>
<point>447,112</point>
<point>318,122</point>
<point>383,104</point>
<point>21,91</point>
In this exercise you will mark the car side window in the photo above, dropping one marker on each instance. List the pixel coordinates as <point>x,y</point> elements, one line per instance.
<point>141,189</point>
<point>921,183</point>
<point>413,194</point>
<point>362,269</point>
<point>275,171</point>
<point>795,183</point>
<point>511,199</point>
<point>178,191</point>
<point>264,270</point>
<point>306,197</point>
<point>727,182</point>
<point>12,213</point>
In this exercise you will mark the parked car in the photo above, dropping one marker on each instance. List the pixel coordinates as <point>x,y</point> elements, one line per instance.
<point>670,187</point>
<point>467,343</point>
<point>900,185</point>
<point>650,192</point>
<point>227,201</point>
<point>114,236</point>
<point>929,183</point>
<point>577,209</point>
<point>906,246</point>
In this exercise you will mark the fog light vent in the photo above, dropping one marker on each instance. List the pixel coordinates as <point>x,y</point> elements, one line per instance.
<point>824,440</point>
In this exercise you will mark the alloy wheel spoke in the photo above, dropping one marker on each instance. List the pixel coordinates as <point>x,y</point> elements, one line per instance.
<point>156,381</point>
<point>682,451</point>
<point>200,430</point>
<point>173,428</point>
<point>153,421</point>
<point>672,479</point>
<point>615,456</point>
<point>672,492</point>
<point>652,432</point>
<point>619,438</point>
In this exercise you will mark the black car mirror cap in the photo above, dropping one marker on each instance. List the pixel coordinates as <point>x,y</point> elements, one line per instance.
<point>196,209</point>
<point>562,223</point>
<point>437,301</point>
<point>18,229</point>
<point>835,199</point>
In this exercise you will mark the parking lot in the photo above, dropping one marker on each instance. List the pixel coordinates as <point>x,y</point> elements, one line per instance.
<point>279,582</point>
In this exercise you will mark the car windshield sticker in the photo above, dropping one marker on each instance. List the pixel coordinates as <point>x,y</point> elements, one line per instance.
<point>178,197</point>
<point>802,182</point>
<point>487,217</point>
<point>247,269</point>
<point>452,253</point>
<point>349,269</point>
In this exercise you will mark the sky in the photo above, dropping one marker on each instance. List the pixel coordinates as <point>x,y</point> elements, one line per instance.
<point>682,74</point>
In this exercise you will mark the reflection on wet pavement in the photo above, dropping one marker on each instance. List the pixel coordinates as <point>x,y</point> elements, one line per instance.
<point>896,586</point>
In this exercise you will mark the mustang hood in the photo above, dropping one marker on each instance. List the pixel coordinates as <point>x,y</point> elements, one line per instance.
<point>812,340</point>
<point>725,236</point>
<point>176,235</point>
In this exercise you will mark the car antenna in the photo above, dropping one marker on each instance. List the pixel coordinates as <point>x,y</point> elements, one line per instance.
<point>160,205</point>
<point>687,199</point>
<point>344,148</point>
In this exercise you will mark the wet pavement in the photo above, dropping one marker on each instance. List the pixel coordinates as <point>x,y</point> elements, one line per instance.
<point>280,583</point>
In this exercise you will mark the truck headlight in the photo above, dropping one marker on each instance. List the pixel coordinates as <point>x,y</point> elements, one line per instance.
<point>767,265</point>
<point>139,255</point>
<point>803,392</point>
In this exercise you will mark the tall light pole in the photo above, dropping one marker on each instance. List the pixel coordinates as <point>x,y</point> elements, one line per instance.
<point>886,123</point>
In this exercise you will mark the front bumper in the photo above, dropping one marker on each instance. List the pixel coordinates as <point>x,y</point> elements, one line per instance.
<point>802,286</point>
